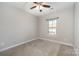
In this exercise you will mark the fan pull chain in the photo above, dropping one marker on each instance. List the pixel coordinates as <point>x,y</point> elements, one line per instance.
<point>40,9</point>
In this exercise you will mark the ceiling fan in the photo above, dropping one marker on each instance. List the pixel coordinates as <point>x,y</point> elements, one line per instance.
<point>40,4</point>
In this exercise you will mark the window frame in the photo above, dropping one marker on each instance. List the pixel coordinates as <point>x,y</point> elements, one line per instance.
<point>54,21</point>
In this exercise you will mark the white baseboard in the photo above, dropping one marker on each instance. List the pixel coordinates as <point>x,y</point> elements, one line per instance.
<point>4,49</point>
<point>57,41</point>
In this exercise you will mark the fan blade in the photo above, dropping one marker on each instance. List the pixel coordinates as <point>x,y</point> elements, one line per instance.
<point>47,6</point>
<point>35,2</point>
<point>33,7</point>
<point>38,2</point>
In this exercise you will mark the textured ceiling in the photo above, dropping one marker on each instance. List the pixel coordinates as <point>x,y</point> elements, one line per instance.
<point>56,6</point>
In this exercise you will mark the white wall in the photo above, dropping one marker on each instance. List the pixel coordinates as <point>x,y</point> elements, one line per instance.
<point>64,31</point>
<point>76,28</point>
<point>16,26</point>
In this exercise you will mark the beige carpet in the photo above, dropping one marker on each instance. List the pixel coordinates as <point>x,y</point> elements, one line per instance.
<point>40,48</point>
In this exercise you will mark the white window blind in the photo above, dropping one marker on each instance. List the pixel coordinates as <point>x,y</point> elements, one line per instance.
<point>52,27</point>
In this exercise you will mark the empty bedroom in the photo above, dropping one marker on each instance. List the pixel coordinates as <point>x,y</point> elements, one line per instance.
<point>39,28</point>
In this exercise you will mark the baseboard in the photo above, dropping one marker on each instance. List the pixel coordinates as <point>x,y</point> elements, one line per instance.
<point>57,41</point>
<point>4,49</point>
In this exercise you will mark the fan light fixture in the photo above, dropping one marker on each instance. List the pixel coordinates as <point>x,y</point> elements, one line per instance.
<point>39,5</point>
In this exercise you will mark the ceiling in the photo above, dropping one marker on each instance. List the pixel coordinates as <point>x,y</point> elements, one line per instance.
<point>56,6</point>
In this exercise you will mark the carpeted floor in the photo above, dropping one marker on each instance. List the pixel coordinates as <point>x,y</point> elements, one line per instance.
<point>40,48</point>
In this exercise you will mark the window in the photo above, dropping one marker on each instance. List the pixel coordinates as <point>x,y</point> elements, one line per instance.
<point>52,27</point>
